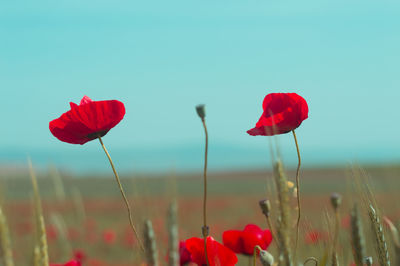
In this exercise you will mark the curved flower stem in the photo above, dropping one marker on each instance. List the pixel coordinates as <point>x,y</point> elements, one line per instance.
<point>123,195</point>
<point>205,227</point>
<point>336,235</point>
<point>255,254</point>
<point>298,193</point>
<point>311,259</point>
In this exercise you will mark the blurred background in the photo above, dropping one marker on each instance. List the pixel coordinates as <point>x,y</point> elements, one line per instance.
<point>162,58</point>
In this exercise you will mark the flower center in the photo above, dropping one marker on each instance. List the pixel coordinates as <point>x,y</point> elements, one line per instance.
<point>97,134</point>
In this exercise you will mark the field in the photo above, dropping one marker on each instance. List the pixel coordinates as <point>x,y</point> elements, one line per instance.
<point>86,215</point>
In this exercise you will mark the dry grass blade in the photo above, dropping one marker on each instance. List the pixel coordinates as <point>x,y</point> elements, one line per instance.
<point>357,236</point>
<point>6,257</point>
<point>377,228</point>
<point>41,240</point>
<point>61,227</point>
<point>58,184</point>
<point>150,244</point>
<point>284,215</point>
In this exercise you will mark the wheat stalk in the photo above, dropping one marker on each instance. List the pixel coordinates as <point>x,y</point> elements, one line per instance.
<point>41,240</point>
<point>377,228</point>
<point>6,256</point>
<point>150,244</point>
<point>357,236</point>
<point>172,226</point>
<point>284,215</point>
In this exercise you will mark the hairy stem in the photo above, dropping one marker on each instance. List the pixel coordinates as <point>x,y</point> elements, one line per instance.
<point>123,194</point>
<point>298,193</point>
<point>205,227</point>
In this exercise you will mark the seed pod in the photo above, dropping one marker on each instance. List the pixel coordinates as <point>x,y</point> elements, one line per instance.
<point>201,111</point>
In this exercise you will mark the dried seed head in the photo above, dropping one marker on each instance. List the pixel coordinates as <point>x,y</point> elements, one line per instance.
<point>201,110</point>
<point>265,206</point>
<point>266,258</point>
<point>336,200</point>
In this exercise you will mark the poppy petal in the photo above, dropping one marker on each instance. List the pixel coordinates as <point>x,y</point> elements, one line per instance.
<point>282,113</point>
<point>87,121</point>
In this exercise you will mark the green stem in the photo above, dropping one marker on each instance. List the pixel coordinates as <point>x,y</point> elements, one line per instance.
<point>123,194</point>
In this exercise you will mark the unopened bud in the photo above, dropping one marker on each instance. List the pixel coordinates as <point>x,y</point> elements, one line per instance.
<point>265,206</point>
<point>201,111</point>
<point>205,230</point>
<point>368,261</point>
<point>336,200</point>
<point>266,258</point>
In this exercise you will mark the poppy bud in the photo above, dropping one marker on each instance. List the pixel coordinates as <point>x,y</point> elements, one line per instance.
<point>265,206</point>
<point>201,111</point>
<point>368,261</point>
<point>205,230</point>
<point>266,258</point>
<point>336,200</point>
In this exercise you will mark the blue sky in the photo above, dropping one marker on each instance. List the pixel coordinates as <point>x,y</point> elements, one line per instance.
<point>161,58</point>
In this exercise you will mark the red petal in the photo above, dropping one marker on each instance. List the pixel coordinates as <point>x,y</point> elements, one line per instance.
<point>218,255</point>
<point>252,236</point>
<point>283,112</point>
<point>267,238</point>
<point>233,239</point>
<point>85,100</point>
<point>87,121</point>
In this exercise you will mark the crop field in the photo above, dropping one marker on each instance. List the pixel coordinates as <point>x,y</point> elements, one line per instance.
<point>85,216</point>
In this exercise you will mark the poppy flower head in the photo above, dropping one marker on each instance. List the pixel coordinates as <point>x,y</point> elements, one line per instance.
<point>283,112</point>
<point>87,121</point>
<point>244,241</point>
<point>218,254</point>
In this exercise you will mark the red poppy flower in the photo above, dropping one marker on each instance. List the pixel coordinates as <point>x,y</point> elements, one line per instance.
<point>87,121</point>
<point>283,112</point>
<point>109,236</point>
<point>244,241</point>
<point>218,255</point>
<point>184,254</point>
<point>69,263</point>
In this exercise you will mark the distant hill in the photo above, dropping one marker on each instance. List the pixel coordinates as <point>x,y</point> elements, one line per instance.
<point>188,157</point>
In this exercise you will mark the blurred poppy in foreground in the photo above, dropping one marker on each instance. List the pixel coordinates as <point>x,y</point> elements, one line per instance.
<point>87,121</point>
<point>217,254</point>
<point>244,241</point>
<point>70,263</point>
<point>283,112</point>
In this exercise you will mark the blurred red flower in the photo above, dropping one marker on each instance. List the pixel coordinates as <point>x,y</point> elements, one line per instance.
<point>184,254</point>
<point>315,236</point>
<point>79,255</point>
<point>217,253</point>
<point>109,236</point>
<point>52,233</point>
<point>244,241</point>
<point>283,112</point>
<point>69,263</point>
<point>87,121</point>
